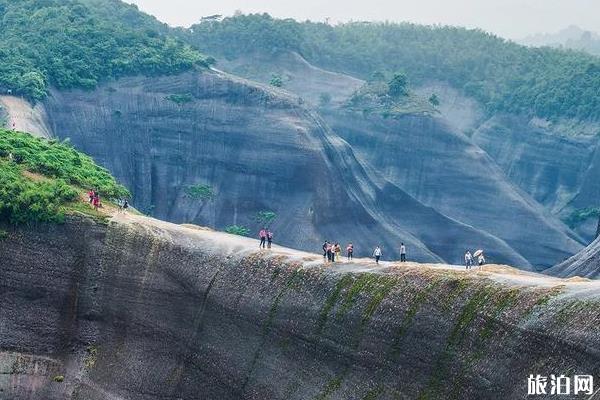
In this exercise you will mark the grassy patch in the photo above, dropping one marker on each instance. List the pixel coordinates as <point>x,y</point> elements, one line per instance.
<point>59,378</point>
<point>3,234</point>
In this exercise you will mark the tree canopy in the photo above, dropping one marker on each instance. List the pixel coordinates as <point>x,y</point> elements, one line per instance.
<point>77,43</point>
<point>501,74</point>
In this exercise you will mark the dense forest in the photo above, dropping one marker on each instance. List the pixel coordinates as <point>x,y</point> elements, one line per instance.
<point>503,75</point>
<point>77,43</point>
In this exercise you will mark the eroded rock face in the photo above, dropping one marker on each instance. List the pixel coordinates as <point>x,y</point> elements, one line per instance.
<point>144,310</point>
<point>259,149</point>
<point>449,161</point>
<point>586,263</point>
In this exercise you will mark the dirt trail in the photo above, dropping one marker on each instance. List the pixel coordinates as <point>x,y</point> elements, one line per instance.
<point>579,288</point>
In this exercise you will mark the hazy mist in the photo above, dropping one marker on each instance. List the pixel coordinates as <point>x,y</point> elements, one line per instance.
<point>508,18</point>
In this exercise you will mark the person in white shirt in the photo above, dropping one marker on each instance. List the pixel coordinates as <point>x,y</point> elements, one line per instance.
<point>402,253</point>
<point>468,260</point>
<point>377,254</point>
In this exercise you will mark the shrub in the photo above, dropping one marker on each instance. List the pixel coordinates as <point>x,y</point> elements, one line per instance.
<point>237,230</point>
<point>180,99</point>
<point>276,80</point>
<point>199,191</point>
<point>266,217</point>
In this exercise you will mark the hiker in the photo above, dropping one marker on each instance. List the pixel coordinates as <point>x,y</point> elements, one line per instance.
<point>91,195</point>
<point>350,251</point>
<point>123,205</point>
<point>96,201</point>
<point>402,252</point>
<point>325,250</point>
<point>263,238</point>
<point>468,260</point>
<point>269,239</point>
<point>377,254</point>
<point>481,260</point>
<point>329,252</point>
<point>338,252</point>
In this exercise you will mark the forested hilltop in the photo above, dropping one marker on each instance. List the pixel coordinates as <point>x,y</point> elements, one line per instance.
<point>503,75</point>
<point>77,43</point>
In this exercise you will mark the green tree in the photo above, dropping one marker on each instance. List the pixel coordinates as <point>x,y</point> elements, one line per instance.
<point>398,85</point>
<point>434,100</point>
<point>276,80</point>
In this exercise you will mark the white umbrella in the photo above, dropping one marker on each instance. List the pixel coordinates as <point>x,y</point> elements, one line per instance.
<point>478,253</point>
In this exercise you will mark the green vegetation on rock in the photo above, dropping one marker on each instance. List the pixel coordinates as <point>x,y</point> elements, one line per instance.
<point>237,230</point>
<point>266,218</point>
<point>40,179</point>
<point>581,215</point>
<point>199,191</point>
<point>78,43</point>
<point>276,80</point>
<point>502,75</point>
<point>181,99</point>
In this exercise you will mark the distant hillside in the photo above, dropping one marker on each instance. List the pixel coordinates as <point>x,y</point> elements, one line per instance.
<point>502,75</point>
<point>77,43</point>
<point>572,37</point>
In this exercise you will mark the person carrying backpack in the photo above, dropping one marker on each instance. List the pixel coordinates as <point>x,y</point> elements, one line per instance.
<point>377,254</point>
<point>338,252</point>
<point>350,251</point>
<point>330,252</point>
<point>325,249</point>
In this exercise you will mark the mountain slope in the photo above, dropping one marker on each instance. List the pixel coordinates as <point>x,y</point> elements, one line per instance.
<point>258,149</point>
<point>428,156</point>
<point>501,75</point>
<point>77,43</point>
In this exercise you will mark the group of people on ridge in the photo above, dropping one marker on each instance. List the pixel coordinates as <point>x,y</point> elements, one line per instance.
<point>94,199</point>
<point>266,238</point>
<point>332,252</point>
<point>470,259</point>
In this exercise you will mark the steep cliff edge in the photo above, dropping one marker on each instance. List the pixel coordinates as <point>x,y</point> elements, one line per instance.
<point>142,309</point>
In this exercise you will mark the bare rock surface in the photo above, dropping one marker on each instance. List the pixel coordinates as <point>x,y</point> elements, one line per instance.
<point>144,309</point>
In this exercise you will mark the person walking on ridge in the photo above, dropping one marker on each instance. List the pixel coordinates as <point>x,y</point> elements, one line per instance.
<point>350,251</point>
<point>330,252</point>
<point>263,238</point>
<point>269,239</point>
<point>338,252</point>
<point>468,260</point>
<point>377,254</point>
<point>325,244</point>
<point>402,252</point>
<point>96,201</point>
